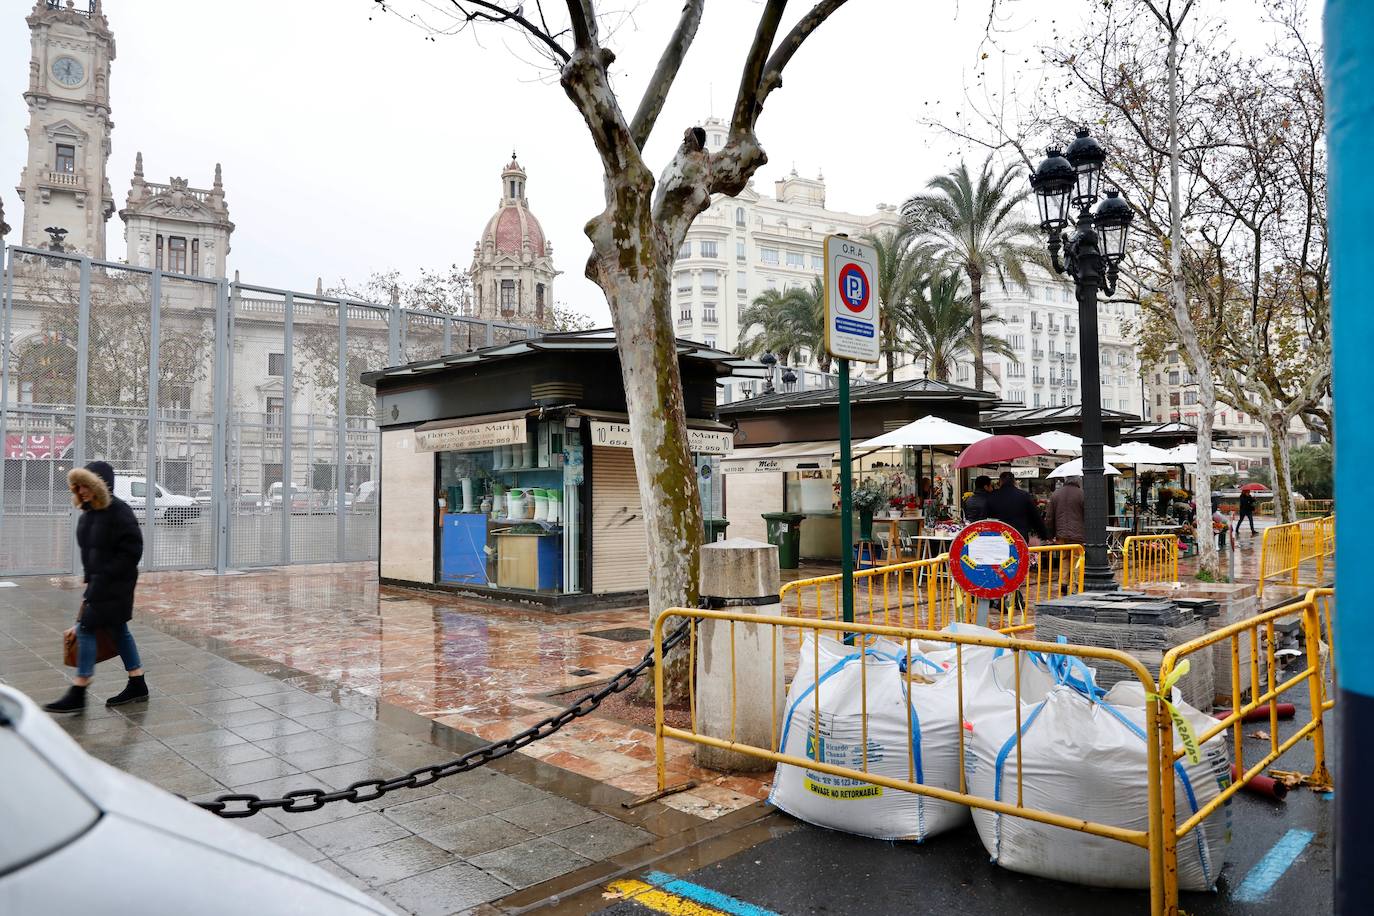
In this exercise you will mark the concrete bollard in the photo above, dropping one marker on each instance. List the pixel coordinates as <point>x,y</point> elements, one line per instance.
<point>739,575</point>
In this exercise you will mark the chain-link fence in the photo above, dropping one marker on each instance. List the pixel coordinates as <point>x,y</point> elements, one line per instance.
<point>234,415</point>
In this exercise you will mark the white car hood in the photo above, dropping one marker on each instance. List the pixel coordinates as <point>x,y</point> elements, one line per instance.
<point>148,836</point>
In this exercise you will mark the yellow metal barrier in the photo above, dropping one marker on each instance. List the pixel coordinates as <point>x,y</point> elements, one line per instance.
<point>1161,837</point>
<point>1149,558</point>
<point>1304,507</point>
<point>1325,599</point>
<point>922,594</point>
<point>1286,549</point>
<point>1263,690</point>
<point>1150,839</point>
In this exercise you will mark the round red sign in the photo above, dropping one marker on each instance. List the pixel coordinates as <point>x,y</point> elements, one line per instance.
<point>854,288</point>
<point>989,559</point>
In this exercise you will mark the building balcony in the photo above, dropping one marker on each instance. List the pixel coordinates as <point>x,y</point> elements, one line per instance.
<point>1038,354</point>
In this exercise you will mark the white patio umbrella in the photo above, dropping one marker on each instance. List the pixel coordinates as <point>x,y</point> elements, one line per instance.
<point>1056,441</point>
<point>1074,468</point>
<point>929,432</point>
<point>1137,453</point>
<point>925,432</point>
<point>1187,454</point>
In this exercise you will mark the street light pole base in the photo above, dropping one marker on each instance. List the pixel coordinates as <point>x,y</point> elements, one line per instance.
<point>1099,579</point>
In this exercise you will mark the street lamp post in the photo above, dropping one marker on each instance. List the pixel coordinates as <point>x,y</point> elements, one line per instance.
<point>1092,255</point>
<point>769,361</point>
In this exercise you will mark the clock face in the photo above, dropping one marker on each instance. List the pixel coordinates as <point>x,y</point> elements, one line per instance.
<point>68,71</point>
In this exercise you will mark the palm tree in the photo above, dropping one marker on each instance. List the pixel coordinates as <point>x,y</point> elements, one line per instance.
<point>976,226</point>
<point>938,324</point>
<point>783,322</point>
<point>901,260</point>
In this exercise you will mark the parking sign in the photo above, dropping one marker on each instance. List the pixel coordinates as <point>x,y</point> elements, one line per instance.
<point>851,302</point>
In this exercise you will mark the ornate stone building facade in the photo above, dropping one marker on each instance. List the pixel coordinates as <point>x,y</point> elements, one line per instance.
<point>65,183</point>
<point>512,264</point>
<point>177,227</point>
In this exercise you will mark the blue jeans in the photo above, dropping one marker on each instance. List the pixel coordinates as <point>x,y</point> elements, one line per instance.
<point>86,647</point>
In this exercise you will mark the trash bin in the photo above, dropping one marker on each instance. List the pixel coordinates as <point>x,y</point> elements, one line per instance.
<point>784,532</point>
<point>715,529</point>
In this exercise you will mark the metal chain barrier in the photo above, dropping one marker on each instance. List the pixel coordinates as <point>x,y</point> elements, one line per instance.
<point>301,800</point>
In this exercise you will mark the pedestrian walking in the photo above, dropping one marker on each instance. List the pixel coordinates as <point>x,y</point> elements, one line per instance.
<point>1247,511</point>
<point>1017,508</point>
<point>111,545</point>
<point>1065,517</point>
<point>976,506</point>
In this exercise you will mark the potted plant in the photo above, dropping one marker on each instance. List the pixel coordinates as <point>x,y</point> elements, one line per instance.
<point>868,496</point>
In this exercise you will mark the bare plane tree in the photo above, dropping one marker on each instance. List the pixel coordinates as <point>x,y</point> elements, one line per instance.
<point>635,238</point>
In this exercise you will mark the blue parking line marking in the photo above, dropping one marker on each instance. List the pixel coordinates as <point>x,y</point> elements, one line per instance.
<point>1268,870</point>
<point>705,896</point>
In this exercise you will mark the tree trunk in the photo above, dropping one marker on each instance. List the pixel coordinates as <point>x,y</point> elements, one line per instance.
<point>640,300</point>
<point>1285,503</point>
<point>975,280</point>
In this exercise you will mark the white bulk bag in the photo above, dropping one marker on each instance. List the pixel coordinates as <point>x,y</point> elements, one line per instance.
<point>930,757</point>
<point>1083,754</point>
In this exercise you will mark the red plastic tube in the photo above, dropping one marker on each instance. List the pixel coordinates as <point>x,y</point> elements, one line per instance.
<point>1263,785</point>
<point>1260,713</point>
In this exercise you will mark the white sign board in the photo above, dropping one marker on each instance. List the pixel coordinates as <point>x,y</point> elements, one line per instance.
<point>473,436</point>
<point>851,300</point>
<point>699,441</point>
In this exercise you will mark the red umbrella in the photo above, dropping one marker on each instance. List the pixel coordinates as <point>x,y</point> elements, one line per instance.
<point>997,449</point>
<point>1253,487</point>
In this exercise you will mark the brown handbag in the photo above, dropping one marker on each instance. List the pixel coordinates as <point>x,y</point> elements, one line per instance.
<point>105,646</point>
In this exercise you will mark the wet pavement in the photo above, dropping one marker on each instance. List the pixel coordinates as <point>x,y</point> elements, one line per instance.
<point>275,679</point>
<point>223,720</point>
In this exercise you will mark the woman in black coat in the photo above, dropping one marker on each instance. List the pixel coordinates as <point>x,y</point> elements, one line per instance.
<point>111,546</point>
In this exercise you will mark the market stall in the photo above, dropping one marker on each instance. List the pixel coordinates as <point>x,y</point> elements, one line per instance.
<point>509,470</point>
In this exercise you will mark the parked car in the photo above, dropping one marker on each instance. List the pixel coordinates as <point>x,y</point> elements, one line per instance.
<point>83,837</point>
<point>252,502</point>
<point>300,498</point>
<point>204,497</point>
<point>365,496</point>
<point>167,507</point>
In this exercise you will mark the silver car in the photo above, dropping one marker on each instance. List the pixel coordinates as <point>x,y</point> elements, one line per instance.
<point>80,836</point>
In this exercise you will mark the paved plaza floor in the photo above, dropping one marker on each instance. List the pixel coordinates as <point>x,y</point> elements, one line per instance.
<point>277,679</point>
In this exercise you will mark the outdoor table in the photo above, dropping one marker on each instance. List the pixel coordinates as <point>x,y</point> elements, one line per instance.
<point>932,545</point>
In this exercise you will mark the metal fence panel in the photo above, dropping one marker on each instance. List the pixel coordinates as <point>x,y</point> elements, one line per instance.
<point>234,415</point>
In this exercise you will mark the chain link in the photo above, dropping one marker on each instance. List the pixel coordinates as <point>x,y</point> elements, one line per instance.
<point>301,800</point>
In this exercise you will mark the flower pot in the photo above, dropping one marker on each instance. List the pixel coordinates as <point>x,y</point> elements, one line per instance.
<point>865,524</point>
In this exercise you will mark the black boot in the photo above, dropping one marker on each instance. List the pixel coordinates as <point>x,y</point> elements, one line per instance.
<point>74,700</point>
<point>135,691</point>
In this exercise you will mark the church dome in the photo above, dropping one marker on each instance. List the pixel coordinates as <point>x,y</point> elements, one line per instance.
<point>513,225</point>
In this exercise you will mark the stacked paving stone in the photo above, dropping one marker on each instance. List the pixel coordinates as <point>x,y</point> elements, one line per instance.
<point>1237,602</point>
<point>1140,625</point>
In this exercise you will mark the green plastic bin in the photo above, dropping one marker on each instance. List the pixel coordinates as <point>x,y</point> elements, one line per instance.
<point>715,529</point>
<point>784,532</point>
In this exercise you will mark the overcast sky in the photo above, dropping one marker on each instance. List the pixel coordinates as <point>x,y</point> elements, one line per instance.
<point>352,144</point>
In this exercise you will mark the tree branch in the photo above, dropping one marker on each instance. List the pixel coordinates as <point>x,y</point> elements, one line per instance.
<point>772,74</point>
<point>746,101</point>
<point>668,65</point>
<point>583,18</point>
<point>493,12</point>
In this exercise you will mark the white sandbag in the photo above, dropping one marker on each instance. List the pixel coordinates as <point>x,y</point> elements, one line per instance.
<point>1083,754</point>
<point>907,739</point>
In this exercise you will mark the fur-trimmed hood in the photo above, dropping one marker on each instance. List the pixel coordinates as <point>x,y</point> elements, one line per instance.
<point>100,491</point>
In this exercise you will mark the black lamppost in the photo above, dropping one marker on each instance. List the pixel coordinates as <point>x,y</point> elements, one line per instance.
<point>769,361</point>
<point>1092,254</point>
<point>789,378</point>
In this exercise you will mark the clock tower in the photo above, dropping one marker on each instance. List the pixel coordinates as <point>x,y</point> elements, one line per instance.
<point>64,184</point>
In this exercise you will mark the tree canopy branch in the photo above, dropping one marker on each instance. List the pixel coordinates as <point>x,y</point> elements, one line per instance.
<point>651,105</point>
<point>747,100</point>
<point>772,73</point>
<point>488,11</point>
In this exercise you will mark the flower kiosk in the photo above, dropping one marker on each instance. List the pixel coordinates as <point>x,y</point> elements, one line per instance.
<point>786,452</point>
<point>508,471</point>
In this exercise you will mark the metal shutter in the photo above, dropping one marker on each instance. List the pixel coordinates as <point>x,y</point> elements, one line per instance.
<point>619,553</point>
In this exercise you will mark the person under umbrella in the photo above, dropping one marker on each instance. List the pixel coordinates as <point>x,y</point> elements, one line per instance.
<point>1008,503</point>
<point>1247,510</point>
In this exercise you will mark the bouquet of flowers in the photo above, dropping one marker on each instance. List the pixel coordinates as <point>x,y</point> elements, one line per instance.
<point>868,496</point>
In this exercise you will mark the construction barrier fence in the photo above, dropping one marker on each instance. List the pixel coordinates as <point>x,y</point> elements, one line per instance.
<point>1298,553</point>
<point>1149,558</point>
<point>772,655</point>
<point>922,594</point>
<point>1305,508</point>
